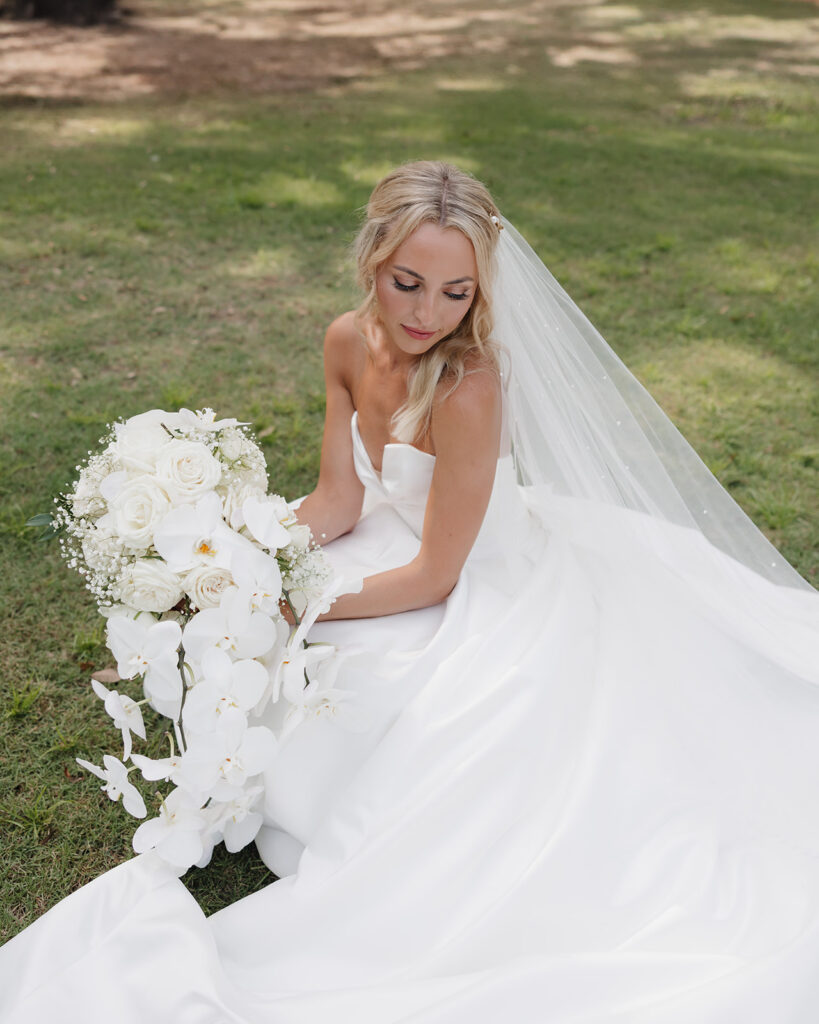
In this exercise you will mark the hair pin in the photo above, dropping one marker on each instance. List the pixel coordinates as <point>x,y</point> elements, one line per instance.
<point>496,222</point>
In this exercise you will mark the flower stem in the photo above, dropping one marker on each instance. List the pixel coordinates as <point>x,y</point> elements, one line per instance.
<point>296,619</point>
<point>305,645</point>
<point>180,732</point>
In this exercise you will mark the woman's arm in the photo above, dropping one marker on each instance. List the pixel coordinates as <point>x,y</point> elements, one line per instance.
<point>466,434</point>
<point>334,506</point>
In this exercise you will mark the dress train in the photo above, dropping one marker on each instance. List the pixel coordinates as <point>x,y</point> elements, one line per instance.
<point>582,790</point>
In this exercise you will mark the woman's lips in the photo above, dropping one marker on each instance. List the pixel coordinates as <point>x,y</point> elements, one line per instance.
<point>418,335</point>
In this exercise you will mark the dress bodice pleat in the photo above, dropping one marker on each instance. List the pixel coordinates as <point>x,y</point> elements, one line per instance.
<point>405,480</point>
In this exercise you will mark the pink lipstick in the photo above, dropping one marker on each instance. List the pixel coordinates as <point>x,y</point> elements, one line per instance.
<point>418,335</point>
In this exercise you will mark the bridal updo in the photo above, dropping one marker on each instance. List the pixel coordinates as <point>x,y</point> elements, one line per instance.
<point>409,196</point>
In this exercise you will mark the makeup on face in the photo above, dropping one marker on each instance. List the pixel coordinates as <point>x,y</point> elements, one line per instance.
<point>427,287</point>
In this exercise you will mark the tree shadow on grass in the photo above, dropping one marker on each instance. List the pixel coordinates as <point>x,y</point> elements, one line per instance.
<point>175,50</point>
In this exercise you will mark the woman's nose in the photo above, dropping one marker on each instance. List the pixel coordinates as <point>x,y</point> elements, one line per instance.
<point>425,308</point>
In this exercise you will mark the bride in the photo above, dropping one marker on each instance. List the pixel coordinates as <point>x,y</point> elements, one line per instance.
<point>575,774</point>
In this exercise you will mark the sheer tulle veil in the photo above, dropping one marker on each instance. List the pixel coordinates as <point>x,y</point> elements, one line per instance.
<point>584,427</point>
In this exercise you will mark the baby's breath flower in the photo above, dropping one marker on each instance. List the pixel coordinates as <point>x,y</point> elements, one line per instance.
<point>155,525</point>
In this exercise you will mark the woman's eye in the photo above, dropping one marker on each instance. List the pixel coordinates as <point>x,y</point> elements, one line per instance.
<point>458,296</point>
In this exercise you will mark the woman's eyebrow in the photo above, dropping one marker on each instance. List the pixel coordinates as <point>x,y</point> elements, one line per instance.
<point>412,273</point>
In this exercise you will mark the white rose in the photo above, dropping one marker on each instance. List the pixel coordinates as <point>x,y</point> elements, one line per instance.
<point>113,611</point>
<point>141,438</point>
<point>149,586</point>
<point>255,467</point>
<point>230,445</point>
<point>155,417</point>
<point>86,499</point>
<point>235,496</point>
<point>187,470</point>
<point>300,536</point>
<point>136,509</point>
<point>205,585</point>
<point>257,476</point>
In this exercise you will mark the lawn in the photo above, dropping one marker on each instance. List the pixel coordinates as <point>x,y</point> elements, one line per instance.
<point>186,244</point>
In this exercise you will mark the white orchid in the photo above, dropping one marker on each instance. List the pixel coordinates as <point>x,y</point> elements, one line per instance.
<point>278,507</point>
<point>115,776</point>
<point>237,820</point>
<point>272,661</point>
<point>297,664</point>
<point>125,712</point>
<point>204,419</point>
<point>227,689</point>
<point>210,837</point>
<point>190,536</point>
<point>157,769</point>
<point>259,578</point>
<point>240,487</point>
<point>262,518</point>
<point>218,764</point>
<point>323,601</point>
<point>317,698</point>
<point>176,833</point>
<point>233,626</point>
<point>176,536</point>
<point>143,646</point>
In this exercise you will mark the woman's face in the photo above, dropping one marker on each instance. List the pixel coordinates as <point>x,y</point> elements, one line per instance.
<point>426,287</point>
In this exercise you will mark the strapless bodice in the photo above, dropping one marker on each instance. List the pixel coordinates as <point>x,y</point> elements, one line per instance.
<point>405,480</point>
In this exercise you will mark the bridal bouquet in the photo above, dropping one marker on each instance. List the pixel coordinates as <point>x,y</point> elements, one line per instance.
<point>189,557</point>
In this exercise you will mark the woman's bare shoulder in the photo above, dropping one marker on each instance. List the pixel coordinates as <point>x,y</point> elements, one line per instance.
<point>343,346</point>
<point>479,389</point>
<point>343,335</point>
<point>473,406</point>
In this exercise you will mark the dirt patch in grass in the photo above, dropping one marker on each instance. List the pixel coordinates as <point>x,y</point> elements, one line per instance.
<point>174,48</point>
<point>256,47</point>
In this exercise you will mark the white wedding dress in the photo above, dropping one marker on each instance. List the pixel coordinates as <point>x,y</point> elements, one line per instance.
<point>583,789</point>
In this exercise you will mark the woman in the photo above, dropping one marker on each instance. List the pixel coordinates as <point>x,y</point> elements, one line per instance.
<point>415,362</point>
<point>582,785</point>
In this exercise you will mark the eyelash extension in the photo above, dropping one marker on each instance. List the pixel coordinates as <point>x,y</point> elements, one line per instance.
<point>412,287</point>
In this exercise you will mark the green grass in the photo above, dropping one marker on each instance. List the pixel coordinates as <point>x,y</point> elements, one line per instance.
<point>192,252</point>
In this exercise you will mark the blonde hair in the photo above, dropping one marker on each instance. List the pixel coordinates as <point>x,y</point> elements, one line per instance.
<point>412,195</point>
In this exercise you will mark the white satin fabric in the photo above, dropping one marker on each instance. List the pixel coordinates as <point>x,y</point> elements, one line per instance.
<point>583,789</point>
